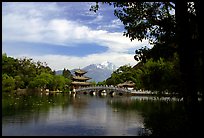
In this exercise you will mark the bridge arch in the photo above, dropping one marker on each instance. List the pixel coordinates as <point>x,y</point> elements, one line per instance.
<point>102,92</point>
<point>120,93</point>
<point>112,93</point>
<point>92,92</point>
<point>85,92</point>
<point>107,90</point>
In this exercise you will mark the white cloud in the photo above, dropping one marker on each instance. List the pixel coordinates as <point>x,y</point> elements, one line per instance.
<point>57,62</point>
<point>60,32</point>
<point>116,23</point>
<point>98,18</point>
<point>39,23</point>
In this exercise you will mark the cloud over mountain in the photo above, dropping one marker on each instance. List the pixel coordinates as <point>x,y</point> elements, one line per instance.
<point>59,25</point>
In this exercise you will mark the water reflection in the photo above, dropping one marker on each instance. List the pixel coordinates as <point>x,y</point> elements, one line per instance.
<point>66,115</point>
<point>85,115</point>
<point>164,116</point>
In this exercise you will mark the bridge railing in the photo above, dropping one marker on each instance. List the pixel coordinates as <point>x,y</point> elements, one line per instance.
<point>103,88</point>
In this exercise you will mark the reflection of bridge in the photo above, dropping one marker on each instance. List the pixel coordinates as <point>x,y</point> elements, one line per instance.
<point>103,90</point>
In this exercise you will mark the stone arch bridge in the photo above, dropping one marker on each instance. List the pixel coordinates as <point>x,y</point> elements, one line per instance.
<point>103,90</point>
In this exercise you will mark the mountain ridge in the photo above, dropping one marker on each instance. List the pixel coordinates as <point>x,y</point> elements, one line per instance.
<point>97,72</point>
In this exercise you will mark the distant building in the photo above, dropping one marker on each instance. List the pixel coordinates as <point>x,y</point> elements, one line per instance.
<point>79,80</point>
<point>127,84</point>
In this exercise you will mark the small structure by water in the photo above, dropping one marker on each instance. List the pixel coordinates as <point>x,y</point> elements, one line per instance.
<point>127,84</point>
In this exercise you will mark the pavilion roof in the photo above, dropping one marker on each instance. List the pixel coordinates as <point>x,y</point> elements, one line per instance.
<point>80,78</point>
<point>127,84</point>
<point>80,71</point>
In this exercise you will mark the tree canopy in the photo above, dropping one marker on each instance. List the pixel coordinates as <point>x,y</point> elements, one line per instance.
<point>25,73</point>
<point>172,27</point>
<point>154,21</point>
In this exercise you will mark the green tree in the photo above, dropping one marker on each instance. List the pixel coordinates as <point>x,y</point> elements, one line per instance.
<point>41,81</point>
<point>9,65</point>
<point>160,76</point>
<point>93,83</point>
<point>122,74</point>
<point>67,84</point>
<point>8,83</point>
<point>146,20</point>
<point>66,73</point>
<point>101,83</point>
<point>43,67</point>
<point>30,74</point>
<point>58,82</point>
<point>26,70</point>
<point>155,22</point>
<point>18,82</point>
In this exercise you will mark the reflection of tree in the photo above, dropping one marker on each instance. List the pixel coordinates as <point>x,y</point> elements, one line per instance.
<point>121,106</point>
<point>155,22</point>
<point>163,118</point>
<point>29,107</point>
<point>79,104</point>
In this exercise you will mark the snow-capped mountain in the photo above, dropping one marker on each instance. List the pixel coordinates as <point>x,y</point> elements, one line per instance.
<point>100,72</point>
<point>106,65</point>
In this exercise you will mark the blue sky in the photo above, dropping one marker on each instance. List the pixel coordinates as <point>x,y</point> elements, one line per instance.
<point>65,34</point>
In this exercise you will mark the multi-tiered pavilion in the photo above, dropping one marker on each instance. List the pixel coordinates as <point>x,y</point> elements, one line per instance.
<point>79,80</point>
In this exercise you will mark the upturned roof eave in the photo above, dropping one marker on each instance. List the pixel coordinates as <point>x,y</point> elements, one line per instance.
<point>79,71</point>
<point>81,78</point>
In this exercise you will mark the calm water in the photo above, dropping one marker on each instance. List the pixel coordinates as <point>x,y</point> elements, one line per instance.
<point>86,115</point>
<point>65,115</point>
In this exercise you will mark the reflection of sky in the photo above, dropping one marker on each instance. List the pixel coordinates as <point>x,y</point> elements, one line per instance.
<point>85,116</point>
<point>97,115</point>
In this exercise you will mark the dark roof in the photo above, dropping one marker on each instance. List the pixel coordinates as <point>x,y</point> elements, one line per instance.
<point>80,78</point>
<point>79,71</point>
<point>127,84</point>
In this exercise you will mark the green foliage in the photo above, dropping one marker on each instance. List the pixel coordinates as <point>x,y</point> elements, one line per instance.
<point>49,81</point>
<point>8,83</point>
<point>122,74</point>
<point>93,83</point>
<point>164,25</point>
<point>165,51</point>
<point>19,83</point>
<point>41,81</point>
<point>159,76</point>
<point>58,82</point>
<point>101,83</point>
<point>66,73</point>
<point>25,73</point>
<point>9,65</point>
<point>158,69</point>
<point>145,20</point>
<point>67,86</point>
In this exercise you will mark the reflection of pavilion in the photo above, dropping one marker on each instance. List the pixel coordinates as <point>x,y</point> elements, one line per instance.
<point>79,80</point>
